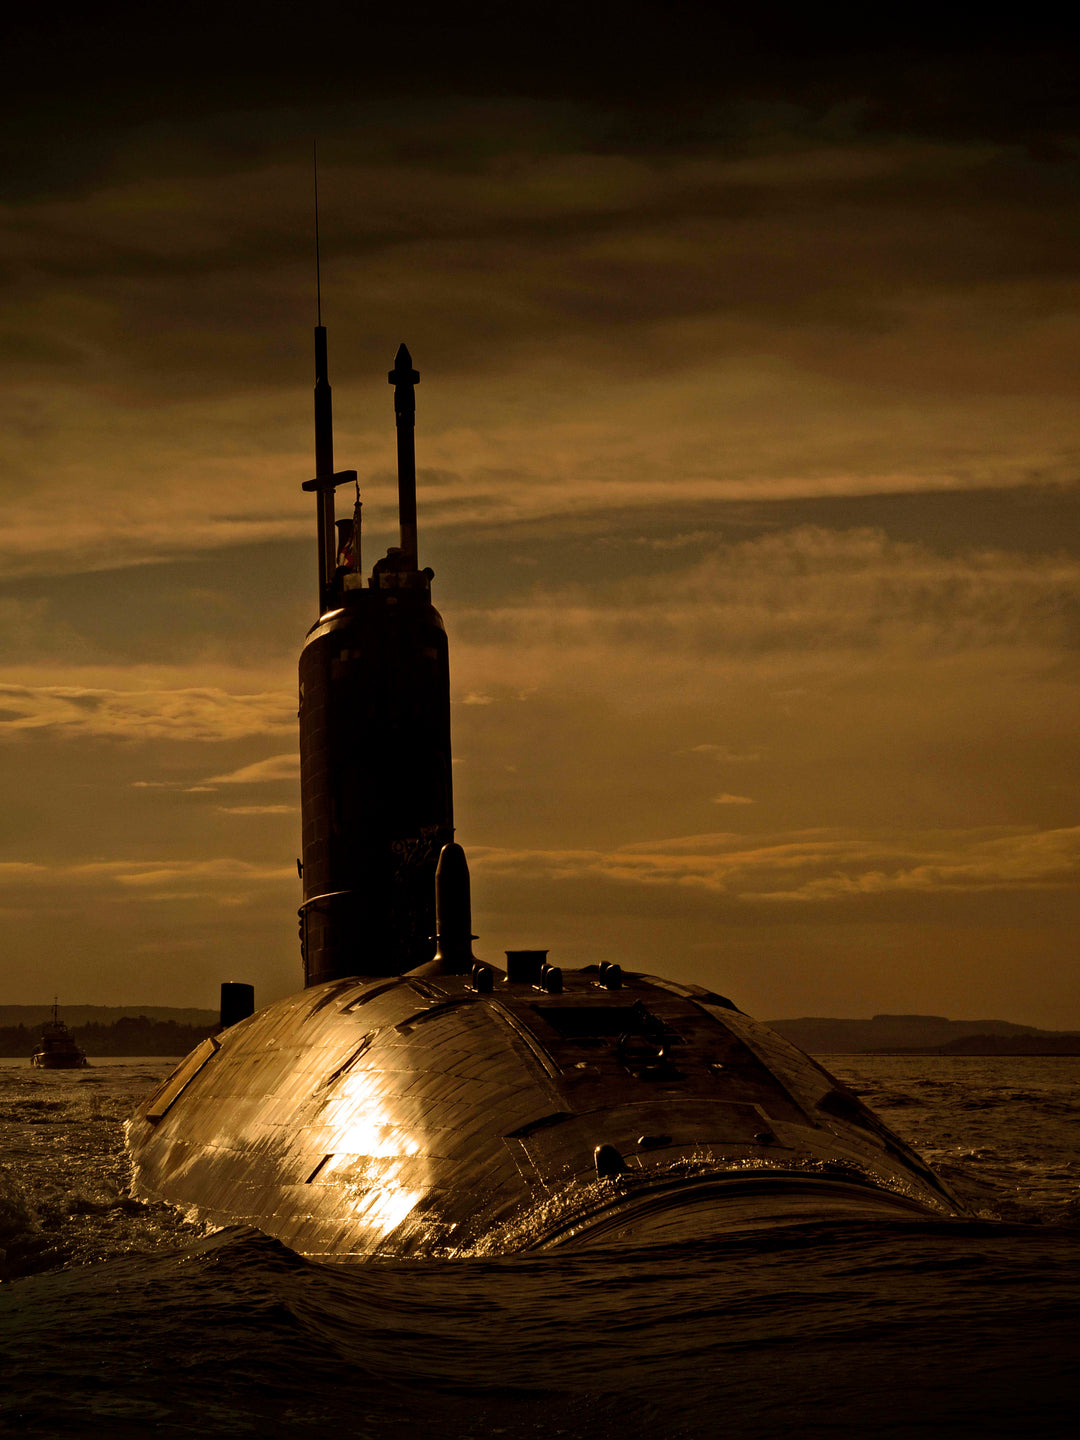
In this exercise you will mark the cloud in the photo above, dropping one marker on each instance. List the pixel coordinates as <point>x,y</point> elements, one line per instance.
<point>808,590</point>
<point>781,310</point>
<point>201,713</point>
<point>258,809</point>
<point>272,769</point>
<point>816,867</point>
<point>727,799</point>
<point>222,879</point>
<point>493,694</point>
<point>148,873</point>
<point>138,224</point>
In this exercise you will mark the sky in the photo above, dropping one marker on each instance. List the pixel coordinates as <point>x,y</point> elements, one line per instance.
<point>748,457</point>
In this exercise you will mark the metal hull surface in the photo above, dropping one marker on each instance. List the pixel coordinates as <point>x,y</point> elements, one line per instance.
<point>416,1117</point>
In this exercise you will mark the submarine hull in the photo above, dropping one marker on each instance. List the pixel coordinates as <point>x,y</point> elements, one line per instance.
<point>415,1116</point>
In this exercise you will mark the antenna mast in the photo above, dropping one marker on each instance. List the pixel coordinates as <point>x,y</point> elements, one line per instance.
<point>404,380</point>
<point>318,276</point>
<point>325,480</point>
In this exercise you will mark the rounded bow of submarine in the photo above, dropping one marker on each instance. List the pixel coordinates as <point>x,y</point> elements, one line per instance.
<point>432,1116</point>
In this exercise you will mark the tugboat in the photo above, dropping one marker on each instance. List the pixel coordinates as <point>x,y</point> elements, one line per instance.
<point>415,1101</point>
<point>57,1049</point>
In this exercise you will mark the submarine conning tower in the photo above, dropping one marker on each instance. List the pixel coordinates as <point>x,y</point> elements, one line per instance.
<point>375,777</point>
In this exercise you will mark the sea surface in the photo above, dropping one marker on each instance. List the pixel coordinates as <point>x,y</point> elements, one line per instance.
<point>121,1319</point>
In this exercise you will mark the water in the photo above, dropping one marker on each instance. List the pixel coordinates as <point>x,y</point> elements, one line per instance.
<point>120,1319</point>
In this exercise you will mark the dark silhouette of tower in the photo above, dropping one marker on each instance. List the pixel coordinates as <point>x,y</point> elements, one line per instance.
<point>375,778</point>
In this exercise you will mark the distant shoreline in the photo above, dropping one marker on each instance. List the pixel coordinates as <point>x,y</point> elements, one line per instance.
<point>923,1035</point>
<point>130,1035</point>
<point>14,1062</point>
<point>163,1031</point>
<point>104,1014</point>
<point>945,1054</point>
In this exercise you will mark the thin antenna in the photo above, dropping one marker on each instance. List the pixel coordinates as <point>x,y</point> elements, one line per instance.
<point>318,277</point>
<point>324,427</point>
<point>325,477</point>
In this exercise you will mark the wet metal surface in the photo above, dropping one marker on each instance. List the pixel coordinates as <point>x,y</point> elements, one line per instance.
<point>415,1116</point>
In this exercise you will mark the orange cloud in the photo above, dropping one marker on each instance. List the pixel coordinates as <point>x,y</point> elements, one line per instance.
<point>814,867</point>
<point>191,713</point>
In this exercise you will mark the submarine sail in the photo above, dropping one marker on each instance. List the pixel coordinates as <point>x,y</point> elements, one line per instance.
<point>412,1100</point>
<point>375,781</point>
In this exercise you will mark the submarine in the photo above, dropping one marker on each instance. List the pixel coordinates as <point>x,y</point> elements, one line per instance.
<point>414,1101</point>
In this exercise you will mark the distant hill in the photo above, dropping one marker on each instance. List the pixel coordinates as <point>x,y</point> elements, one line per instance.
<point>34,1015</point>
<point>932,1034</point>
<point>129,1035</point>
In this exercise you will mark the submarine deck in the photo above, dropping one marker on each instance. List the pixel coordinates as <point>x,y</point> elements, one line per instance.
<point>421,1116</point>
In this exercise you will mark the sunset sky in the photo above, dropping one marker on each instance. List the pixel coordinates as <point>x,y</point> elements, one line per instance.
<point>748,456</point>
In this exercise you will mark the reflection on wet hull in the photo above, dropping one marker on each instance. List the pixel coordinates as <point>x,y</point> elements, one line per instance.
<point>424,1117</point>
